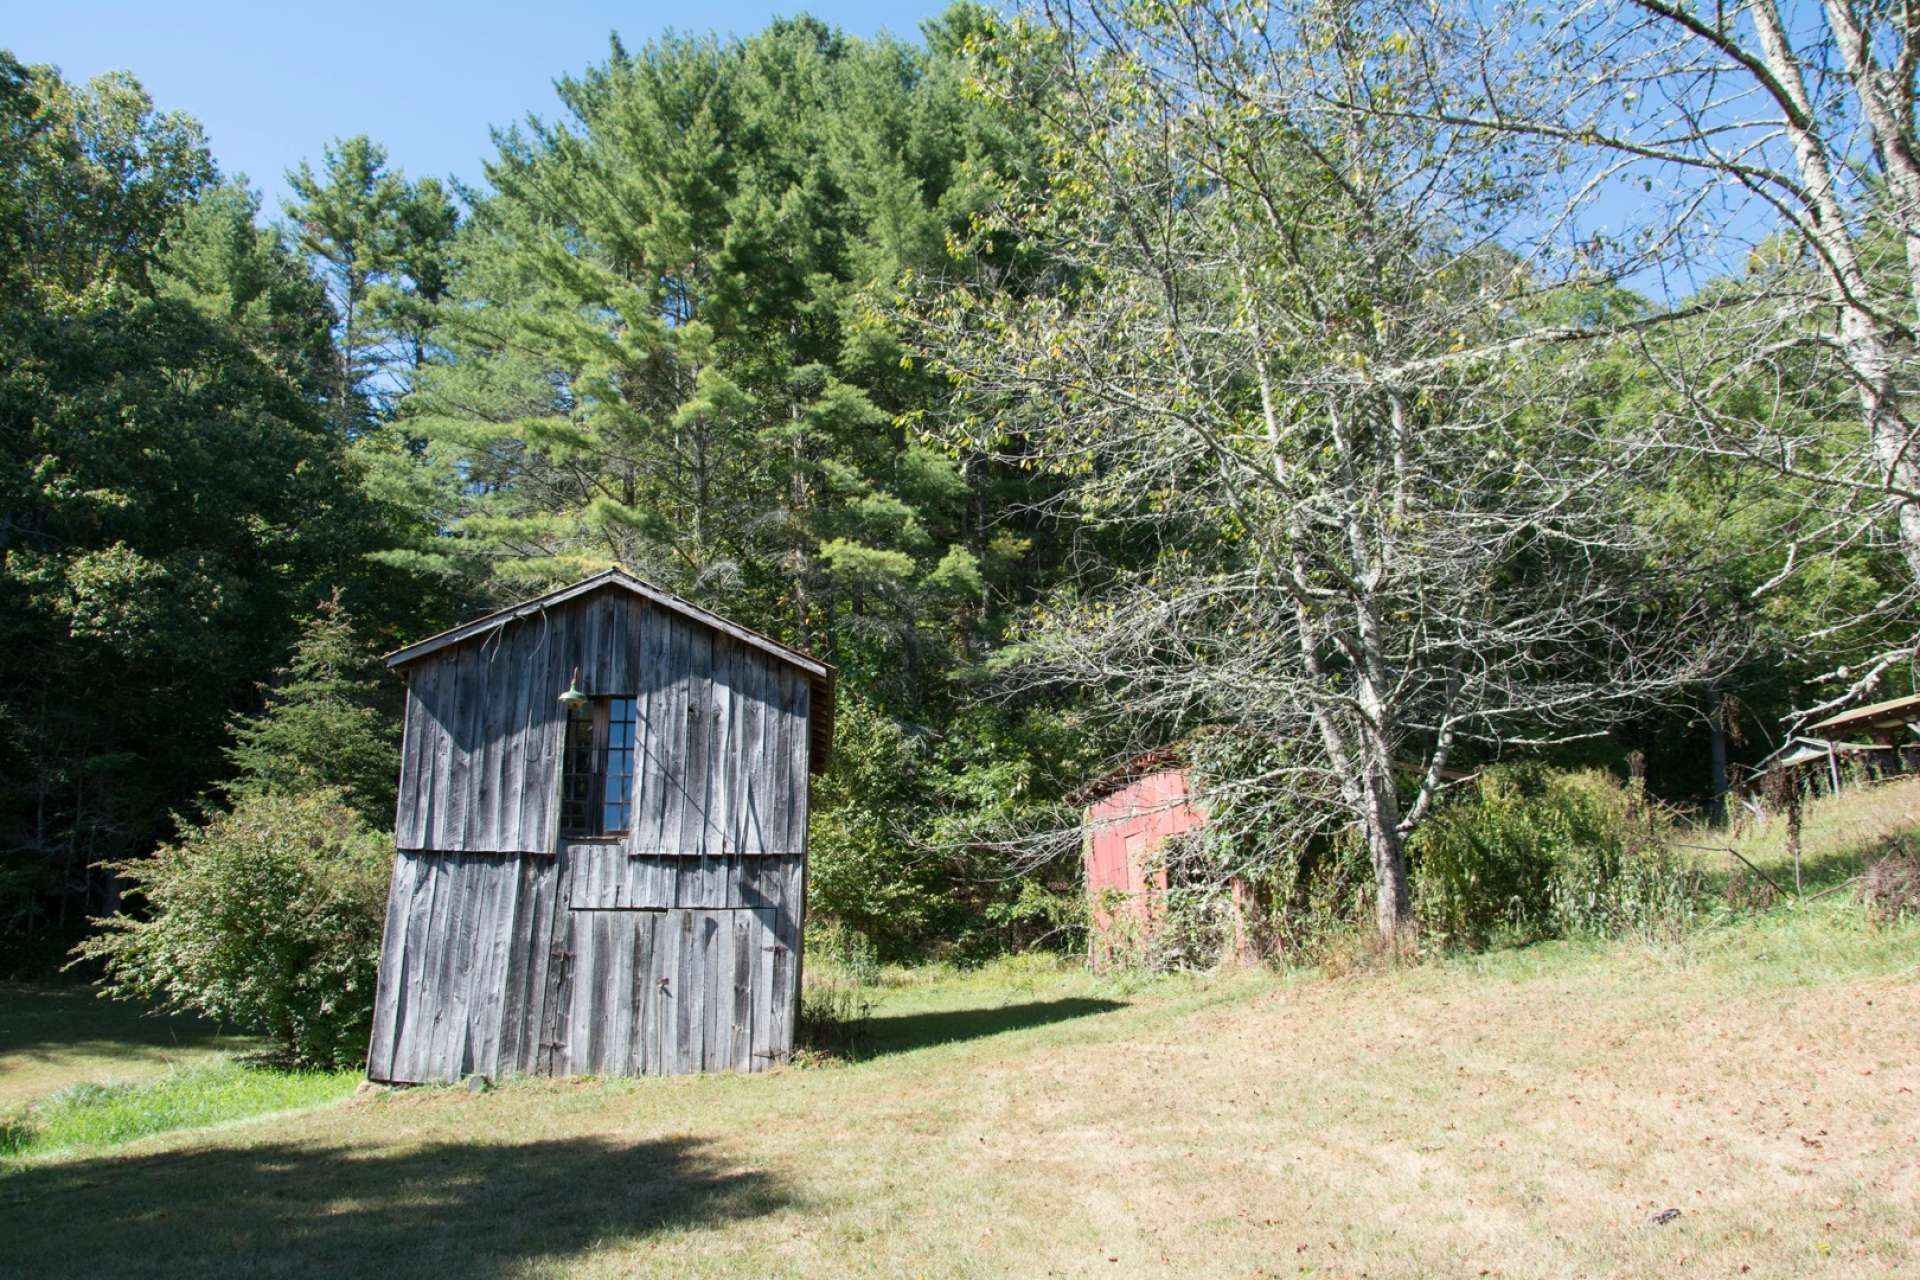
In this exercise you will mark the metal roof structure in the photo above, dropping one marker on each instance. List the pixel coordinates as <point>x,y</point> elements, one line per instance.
<point>1894,713</point>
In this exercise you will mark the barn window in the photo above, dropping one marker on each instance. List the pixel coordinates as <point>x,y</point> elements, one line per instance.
<point>596,773</point>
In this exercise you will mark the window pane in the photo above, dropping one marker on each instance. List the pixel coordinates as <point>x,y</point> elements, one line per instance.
<point>616,792</point>
<point>576,777</point>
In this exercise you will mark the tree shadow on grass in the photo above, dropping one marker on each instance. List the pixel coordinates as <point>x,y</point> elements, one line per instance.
<point>306,1209</point>
<point>47,1020</point>
<point>902,1033</point>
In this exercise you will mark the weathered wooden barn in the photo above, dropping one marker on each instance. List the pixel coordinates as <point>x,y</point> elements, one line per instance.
<point>602,838</point>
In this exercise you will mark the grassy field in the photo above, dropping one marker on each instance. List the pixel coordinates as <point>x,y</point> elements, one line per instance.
<point>52,1036</point>
<point>1521,1113</point>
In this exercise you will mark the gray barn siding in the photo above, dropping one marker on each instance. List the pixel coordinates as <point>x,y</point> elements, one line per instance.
<point>500,964</point>
<point>723,734</point>
<point>673,949</point>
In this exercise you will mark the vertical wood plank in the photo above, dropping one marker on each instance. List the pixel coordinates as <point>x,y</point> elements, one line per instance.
<point>618,1036</point>
<point>650,881</point>
<point>503,683</point>
<point>780,799</point>
<point>720,751</point>
<point>479,928</point>
<point>796,763</point>
<point>490,1004</point>
<point>646,643</point>
<point>530,808</point>
<point>761,948</point>
<point>462,668</point>
<point>407,980</point>
<point>514,736</point>
<point>452,952</point>
<point>621,673</point>
<point>781,1041</point>
<point>753,745</point>
<point>739,939</point>
<point>386,1001</point>
<point>686,1025</point>
<point>426,678</point>
<point>699,717</point>
<point>712,1003</point>
<point>483,712</point>
<point>534,941</point>
<point>556,997</point>
<point>642,999</point>
<point>673,734</point>
<point>434,959</point>
<point>547,673</point>
<point>584,1011</point>
<point>409,808</point>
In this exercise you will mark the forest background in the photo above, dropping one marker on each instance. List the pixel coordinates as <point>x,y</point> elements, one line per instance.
<point>950,360</point>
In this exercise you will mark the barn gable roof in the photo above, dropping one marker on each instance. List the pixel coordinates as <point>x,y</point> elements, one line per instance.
<point>820,676</point>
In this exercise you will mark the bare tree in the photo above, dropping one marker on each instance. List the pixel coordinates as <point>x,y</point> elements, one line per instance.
<point>1312,390</point>
<point>1771,147</point>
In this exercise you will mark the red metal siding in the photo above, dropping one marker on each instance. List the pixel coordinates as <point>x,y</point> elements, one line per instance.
<point>1125,830</point>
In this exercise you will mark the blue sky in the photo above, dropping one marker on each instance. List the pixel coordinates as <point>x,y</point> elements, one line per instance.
<point>274,82</point>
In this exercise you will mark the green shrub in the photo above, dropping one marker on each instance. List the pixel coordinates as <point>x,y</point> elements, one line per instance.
<point>1307,870</point>
<point>268,917</point>
<point>836,1018</point>
<point>1530,852</point>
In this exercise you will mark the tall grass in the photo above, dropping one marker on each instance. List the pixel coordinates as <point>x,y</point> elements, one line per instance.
<point>1532,853</point>
<point>94,1115</point>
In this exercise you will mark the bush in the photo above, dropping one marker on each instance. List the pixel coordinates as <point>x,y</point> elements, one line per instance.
<point>1307,869</point>
<point>268,917</point>
<point>1530,852</point>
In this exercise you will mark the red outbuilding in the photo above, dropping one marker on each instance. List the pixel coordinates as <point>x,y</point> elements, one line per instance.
<point>1131,814</point>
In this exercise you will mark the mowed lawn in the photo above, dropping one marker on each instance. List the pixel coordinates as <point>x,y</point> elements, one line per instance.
<point>1521,1114</point>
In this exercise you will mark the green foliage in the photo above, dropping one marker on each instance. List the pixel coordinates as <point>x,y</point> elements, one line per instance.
<point>92,182</point>
<point>268,917</point>
<point>864,869</point>
<point>329,723</point>
<point>172,496</point>
<point>667,348</point>
<point>383,247</point>
<point>1532,852</point>
<point>1309,875</point>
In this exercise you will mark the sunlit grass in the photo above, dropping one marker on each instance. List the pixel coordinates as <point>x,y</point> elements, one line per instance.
<point>1520,1112</point>
<point>90,1115</point>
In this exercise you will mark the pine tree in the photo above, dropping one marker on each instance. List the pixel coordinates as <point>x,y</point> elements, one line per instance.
<point>381,244</point>
<point>328,723</point>
<point>670,348</point>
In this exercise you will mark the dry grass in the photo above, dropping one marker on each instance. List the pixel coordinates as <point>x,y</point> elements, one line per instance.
<point>1517,1115</point>
<point>1841,833</point>
<point>1521,1113</point>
